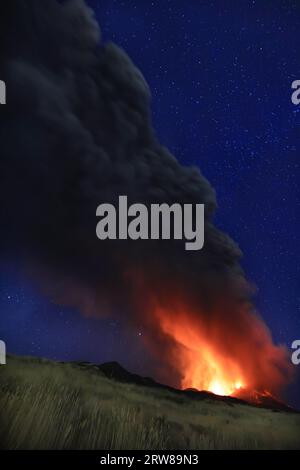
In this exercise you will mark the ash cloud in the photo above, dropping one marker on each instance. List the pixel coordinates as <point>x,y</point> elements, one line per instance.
<point>76,132</point>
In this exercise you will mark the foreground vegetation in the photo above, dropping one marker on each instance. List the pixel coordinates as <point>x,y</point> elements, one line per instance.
<point>46,405</point>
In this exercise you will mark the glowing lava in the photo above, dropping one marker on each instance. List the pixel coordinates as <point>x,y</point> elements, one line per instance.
<point>202,366</point>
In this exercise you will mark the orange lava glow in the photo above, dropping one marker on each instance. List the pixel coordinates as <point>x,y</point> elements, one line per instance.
<point>203,368</point>
<point>214,357</point>
<point>222,345</point>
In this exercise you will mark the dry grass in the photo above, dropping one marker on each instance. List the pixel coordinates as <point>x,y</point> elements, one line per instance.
<point>45,405</point>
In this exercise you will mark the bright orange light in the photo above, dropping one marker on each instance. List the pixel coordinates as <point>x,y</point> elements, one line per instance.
<point>202,366</point>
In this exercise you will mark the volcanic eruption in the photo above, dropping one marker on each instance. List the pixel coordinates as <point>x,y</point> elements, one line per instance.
<point>76,132</point>
<point>218,344</point>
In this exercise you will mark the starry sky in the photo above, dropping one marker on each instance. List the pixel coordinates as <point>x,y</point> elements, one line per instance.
<point>220,74</point>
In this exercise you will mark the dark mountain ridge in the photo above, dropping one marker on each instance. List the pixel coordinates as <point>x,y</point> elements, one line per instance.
<point>113,370</point>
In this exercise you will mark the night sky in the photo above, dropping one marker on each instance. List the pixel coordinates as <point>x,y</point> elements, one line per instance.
<point>220,74</point>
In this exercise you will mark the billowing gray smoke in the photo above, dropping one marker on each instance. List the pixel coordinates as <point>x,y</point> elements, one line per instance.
<point>76,132</point>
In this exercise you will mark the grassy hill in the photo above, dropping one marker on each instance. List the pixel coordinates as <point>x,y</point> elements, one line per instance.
<point>49,405</point>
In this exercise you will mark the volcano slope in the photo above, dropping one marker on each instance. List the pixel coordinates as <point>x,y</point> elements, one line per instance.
<point>50,405</point>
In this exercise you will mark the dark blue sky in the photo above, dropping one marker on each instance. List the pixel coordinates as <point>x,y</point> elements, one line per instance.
<point>220,75</point>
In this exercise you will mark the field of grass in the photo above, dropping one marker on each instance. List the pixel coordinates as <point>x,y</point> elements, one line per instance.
<point>47,405</point>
